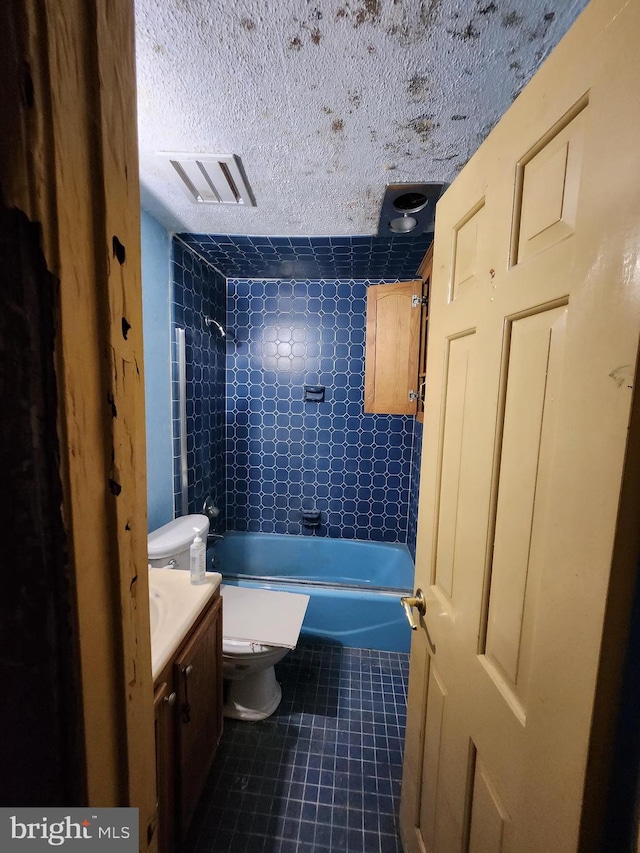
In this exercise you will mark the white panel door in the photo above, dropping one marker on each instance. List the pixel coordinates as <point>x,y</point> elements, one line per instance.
<point>533,342</point>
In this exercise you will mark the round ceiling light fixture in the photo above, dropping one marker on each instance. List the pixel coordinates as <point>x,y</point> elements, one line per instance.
<point>403,224</point>
<point>408,209</point>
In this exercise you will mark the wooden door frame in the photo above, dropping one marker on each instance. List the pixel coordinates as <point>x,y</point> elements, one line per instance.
<point>68,161</point>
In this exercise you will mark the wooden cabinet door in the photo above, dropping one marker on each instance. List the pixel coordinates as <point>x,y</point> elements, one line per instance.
<point>393,342</point>
<point>164,706</point>
<point>198,681</point>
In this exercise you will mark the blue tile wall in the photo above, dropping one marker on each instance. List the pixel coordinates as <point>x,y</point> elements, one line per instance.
<point>389,258</point>
<point>267,454</point>
<point>414,489</point>
<point>198,293</point>
<point>284,454</point>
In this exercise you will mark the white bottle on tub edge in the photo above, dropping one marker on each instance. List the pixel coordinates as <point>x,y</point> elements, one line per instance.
<point>197,559</point>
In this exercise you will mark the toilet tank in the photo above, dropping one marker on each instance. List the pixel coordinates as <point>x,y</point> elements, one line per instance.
<point>173,540</point>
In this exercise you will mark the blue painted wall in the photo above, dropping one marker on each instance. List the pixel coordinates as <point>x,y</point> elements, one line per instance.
<point>156,307</point>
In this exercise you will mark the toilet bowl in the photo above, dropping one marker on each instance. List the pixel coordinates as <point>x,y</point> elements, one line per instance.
<point>168,546</point>
<point>259,627</point>
<point>251,691</point>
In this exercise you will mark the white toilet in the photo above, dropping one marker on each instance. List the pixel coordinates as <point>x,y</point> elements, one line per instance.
<point>168,546</point>
<point>259,626</point>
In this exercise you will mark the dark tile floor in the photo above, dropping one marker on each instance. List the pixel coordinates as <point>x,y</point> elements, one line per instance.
<point>323,773</point>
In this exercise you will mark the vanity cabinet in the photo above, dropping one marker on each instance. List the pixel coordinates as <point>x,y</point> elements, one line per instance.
<point>198,680</point>
<point>188,706</point>
<point>164,702</point>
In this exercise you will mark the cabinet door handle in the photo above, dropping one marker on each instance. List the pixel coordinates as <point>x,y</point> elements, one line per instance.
<point>186,707</point>
<point>170,699</point>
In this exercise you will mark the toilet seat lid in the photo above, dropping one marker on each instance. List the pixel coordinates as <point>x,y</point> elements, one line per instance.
<point>265,616</point>
<point>243,647</point>
<point>176,535</point>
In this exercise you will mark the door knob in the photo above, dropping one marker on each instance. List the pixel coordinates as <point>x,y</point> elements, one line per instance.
<point>420,603</point>
<point>417,601</point>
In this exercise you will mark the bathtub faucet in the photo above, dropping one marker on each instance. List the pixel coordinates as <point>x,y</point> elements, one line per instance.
<point>210,509</point>
<point>214,537</point>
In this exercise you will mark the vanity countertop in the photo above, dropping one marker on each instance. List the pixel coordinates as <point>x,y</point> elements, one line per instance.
<point>174,605</point>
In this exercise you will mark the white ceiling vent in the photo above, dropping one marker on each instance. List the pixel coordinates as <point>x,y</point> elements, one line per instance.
<point>211,179</point>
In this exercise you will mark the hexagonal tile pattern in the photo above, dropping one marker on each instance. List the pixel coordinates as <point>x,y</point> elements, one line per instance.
<point>255,445</point>
<point>362,257</point>
<point>285,454</point>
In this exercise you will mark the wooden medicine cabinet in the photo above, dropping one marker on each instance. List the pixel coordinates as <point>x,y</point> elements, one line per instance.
<point>396,345</point>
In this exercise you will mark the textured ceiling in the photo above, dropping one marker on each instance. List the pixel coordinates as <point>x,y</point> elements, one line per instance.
<point>326,101</point>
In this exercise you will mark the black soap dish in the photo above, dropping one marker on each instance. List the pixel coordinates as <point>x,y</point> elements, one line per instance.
<point>314,393</point>
<point>311,518</point>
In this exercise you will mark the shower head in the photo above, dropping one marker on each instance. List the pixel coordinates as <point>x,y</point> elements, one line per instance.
<point>221,330</point>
